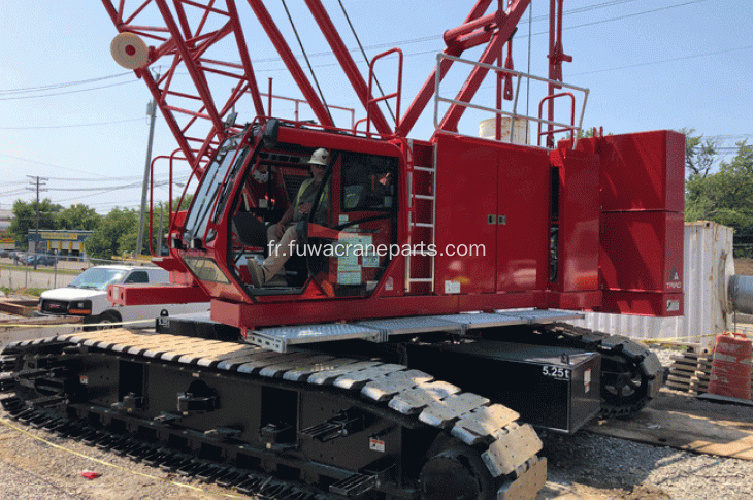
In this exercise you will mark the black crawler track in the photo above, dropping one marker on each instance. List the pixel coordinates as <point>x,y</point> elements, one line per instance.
<point>631,375</point>
<point>238,415</point>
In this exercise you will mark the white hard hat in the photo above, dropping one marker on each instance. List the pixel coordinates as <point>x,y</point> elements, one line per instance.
<point>320,157</point>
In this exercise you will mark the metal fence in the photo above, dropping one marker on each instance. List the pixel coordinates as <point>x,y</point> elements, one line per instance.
<point>20,271</point>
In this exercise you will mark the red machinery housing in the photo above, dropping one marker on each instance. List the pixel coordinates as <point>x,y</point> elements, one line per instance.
<point>515,227</point>
<point>593,225</point>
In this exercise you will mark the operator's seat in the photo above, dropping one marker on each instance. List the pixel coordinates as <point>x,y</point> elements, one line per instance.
<point>250,230</point>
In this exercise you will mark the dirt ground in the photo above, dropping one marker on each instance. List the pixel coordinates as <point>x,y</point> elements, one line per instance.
<point>36,464</point>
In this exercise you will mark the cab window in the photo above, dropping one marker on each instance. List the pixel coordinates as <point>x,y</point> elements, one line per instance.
<point>137,277</point>
<point>368,183</point>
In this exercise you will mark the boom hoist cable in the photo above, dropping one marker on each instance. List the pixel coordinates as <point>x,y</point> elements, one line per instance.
<point>305,57</point>
<point>360,46</point>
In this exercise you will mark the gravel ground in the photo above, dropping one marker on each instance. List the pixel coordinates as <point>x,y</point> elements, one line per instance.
<point>584,466</point>
<point>592,466</point>
<point>37,465</point>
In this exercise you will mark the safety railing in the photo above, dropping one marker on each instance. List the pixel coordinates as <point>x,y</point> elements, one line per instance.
<point>374,101</point>
<point>554,126</point>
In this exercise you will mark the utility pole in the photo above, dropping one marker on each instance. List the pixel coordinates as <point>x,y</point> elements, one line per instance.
<point>36,181</point>
<point>151,109</point>
<point>160,236</point>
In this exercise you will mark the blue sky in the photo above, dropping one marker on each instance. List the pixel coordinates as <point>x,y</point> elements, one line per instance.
<point>68,112</point>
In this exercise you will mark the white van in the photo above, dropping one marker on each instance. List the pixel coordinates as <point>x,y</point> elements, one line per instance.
<point>87,296</point>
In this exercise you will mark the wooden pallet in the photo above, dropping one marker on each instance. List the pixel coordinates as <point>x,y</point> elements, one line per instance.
<point>690,372</point>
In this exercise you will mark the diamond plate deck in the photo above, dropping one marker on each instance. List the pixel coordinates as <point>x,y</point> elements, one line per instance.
<point>542,315</point>
<point>441,413</point>
<point>281,338</point>
<point>482,423</point>
<point>410,325</point>
<point>415,400</point>
<point>511,450</point>
<point>384,387</point>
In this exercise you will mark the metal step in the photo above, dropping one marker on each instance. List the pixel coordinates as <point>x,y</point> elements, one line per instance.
<point>7,384</point>
<point>55,424</point>
<point>11,403</point>
<point>323,432</point>
<point>354,486</point>
<point>231,477</point>
<point>46,402</point>
<point>8,363</point>
<point>141,451</point>
<point>191,467</point>
<point>91,438</point>
<point>25,415</point>
<point>124,447</point>
<point>212,472</point>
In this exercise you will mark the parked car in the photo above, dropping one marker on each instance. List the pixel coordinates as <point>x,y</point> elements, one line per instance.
<point>40,260</point>
<point>46,260</point>
<point>87,296</point>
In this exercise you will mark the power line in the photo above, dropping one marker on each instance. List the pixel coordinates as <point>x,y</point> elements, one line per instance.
<point>439,36</point>
<point>63,93</point>
<point>729,136</point>
<point>433,52</point>
<point>35,162</point>
<point>625,16</point>
<point>77,125</point>
<point>683,58</point>
<point>54,86</point>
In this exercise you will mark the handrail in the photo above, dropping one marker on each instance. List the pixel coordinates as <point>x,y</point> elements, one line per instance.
<point>298,102</point>
<point>372,101</point>
<point>170,158</point>
<point>565,128</point>
<point>513,114</point>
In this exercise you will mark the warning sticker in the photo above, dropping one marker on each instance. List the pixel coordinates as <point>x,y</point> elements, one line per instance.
<point>587,380</point>
<point>673,274</point>
<point>376,444</point>
<point>673,280</point>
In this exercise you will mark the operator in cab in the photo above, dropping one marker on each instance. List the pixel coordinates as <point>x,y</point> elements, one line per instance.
<point>283,236</point>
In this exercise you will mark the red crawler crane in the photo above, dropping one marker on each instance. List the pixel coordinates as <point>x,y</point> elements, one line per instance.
<point>427,269</point>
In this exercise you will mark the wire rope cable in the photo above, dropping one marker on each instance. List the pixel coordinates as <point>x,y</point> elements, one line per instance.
<point>358,41</point>
<point>305,57</point>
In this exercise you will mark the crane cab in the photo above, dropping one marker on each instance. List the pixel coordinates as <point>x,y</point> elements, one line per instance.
<point>344,245</point>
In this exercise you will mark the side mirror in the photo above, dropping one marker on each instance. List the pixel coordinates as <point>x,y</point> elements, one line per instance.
<point>269,136</point>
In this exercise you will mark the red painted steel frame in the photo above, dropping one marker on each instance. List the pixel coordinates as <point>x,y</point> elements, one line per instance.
<point>597,222</point>
<point>290,61</point>
<point>506,24</point>
<point>454,49</point>
<point>187,46</point>
<point>347,63</point>
<point>372,103</point>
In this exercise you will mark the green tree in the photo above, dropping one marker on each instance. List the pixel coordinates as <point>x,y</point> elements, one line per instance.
<point>25,219</point>
<point>700,154</point>
<point>724,196</point>
<point>112,234</point>
<point>79,217</point>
